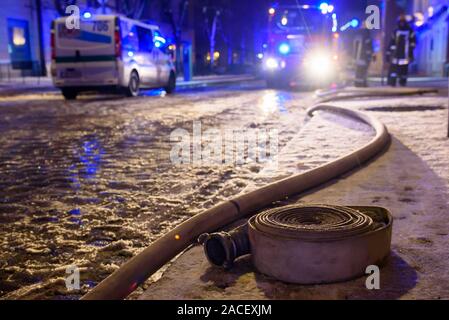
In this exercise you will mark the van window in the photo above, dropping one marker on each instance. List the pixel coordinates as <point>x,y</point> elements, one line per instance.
<point>130,40</point>
<point>159,41</point>
<point>145,39</point>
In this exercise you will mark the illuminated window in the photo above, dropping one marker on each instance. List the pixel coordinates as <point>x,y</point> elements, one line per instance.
<point>18,36</point>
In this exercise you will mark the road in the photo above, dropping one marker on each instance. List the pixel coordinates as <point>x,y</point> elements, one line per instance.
<point>91,182</point>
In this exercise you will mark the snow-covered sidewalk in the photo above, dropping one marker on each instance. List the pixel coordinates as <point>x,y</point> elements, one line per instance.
<point>411,179</point>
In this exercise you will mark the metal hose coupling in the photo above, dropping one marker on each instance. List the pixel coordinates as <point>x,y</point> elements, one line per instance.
<point>308,244</point>
<point>222,248</point>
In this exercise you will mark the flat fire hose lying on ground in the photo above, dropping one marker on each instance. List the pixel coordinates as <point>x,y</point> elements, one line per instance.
<point>326,96</point>
<point>307,244</point>
<point>133,273</point>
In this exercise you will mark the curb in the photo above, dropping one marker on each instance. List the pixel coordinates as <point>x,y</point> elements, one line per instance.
<point>11,90</point>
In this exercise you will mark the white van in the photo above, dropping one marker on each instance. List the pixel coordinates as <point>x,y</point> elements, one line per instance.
<point>109,53</point>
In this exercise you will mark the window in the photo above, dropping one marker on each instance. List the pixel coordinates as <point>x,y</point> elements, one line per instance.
<point>18,37</point>
<point>130,40</point>
<point>19,44</point>
<point>159,41</point>
<point>299,21</point>
<point>145,39</point>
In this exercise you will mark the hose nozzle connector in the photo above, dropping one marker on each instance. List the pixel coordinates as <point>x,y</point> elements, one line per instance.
<point>222,248</point>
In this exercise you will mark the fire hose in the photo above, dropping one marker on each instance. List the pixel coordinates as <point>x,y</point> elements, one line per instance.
<point>310,244</point>
<point>354,93</point>
<point>133,273</point>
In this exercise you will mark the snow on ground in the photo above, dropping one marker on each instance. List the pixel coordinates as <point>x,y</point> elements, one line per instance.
<point>90,183</point>
<point>411,179</point>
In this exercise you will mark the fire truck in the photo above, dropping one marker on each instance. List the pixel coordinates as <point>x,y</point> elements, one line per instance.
<point>302,46</point>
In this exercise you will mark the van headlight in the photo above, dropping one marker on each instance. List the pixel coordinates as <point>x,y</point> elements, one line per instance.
<point>319,64</point>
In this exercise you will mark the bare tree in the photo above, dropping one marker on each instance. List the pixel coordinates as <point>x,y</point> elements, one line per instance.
<point>211,29</point>
<point>61,5</point>
<point>177,24</point>
<point>226,36</point>
<point>131,8</point>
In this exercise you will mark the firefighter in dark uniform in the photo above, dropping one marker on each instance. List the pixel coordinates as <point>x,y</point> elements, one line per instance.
<point>362,56</point>
<point>400,52</point>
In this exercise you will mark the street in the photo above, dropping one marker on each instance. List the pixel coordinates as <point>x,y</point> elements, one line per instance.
<point>90,182</point>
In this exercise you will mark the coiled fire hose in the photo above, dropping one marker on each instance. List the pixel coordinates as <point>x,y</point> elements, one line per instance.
<point>307,244</point>
<point>128,277</point>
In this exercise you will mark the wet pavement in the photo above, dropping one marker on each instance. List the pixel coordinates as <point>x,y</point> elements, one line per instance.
<point>90,183</point>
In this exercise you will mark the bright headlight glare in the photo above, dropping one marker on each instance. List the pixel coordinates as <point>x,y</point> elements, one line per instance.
<point>319,64</point>
<point>271,63</point>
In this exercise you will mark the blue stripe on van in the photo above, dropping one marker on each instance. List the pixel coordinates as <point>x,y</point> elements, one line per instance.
<point>93,37</point>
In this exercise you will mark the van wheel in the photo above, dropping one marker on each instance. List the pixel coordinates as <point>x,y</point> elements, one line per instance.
<point>171,84</point>
<point>69,94</point>
<point>134,85</point>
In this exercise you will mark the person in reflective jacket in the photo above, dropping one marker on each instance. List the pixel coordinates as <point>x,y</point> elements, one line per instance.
<point>362,55</point>
<point>400,52</point>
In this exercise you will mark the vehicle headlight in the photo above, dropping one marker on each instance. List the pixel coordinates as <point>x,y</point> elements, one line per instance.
<point>319,64</point>
<point>271,63</point>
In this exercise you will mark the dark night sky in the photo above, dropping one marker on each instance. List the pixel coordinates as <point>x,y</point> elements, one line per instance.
<point>346,9</point>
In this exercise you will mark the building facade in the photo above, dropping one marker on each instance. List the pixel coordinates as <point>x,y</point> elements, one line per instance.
<point>20,37</point>
<point>432,23</point>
